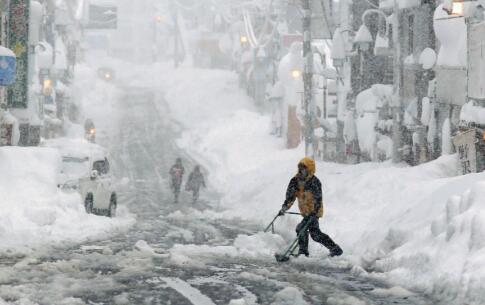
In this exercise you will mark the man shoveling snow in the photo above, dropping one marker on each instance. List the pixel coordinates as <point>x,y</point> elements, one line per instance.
<point>308,189</point>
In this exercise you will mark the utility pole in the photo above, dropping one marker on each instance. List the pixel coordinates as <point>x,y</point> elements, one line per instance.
<point>175,35</point>
<point>343,66</point>
<point>397,88</point>
<point>309,102</point>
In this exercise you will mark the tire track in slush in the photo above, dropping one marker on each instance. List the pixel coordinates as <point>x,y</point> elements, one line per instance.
<point>192,294</point>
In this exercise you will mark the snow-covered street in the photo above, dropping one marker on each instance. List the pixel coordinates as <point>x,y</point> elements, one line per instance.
<point>242,152</point>
<point>178,253</point>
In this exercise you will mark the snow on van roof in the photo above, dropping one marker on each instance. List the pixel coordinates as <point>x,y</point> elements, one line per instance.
<point>80,148</point>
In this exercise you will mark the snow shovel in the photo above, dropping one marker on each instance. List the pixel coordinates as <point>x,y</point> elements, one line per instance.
<point>289,251</point>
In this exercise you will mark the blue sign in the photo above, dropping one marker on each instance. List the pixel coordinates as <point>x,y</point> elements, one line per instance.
<point>7,70</point>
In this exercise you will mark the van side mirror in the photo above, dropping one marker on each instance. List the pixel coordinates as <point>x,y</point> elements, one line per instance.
<point>94,174</point>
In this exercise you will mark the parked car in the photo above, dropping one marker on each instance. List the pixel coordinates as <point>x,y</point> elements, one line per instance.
<point>86,169</point>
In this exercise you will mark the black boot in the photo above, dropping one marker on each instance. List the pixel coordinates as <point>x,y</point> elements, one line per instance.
<point>303,252</point>
<point>336,251</point>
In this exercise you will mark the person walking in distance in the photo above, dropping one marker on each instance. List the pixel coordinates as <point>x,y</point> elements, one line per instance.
<point>307,188</point>
<point>176,174</point>
<point>195,181</point>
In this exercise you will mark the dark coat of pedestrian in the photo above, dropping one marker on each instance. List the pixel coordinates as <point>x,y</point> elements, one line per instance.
<point>194,182</point>
<point>176,175</point>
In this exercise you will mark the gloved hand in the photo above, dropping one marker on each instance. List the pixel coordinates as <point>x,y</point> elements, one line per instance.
<point>283,210</point>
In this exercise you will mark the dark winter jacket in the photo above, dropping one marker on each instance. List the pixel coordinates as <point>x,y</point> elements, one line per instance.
<point>176,172</point>
<point>195,181</point>
<point>308,191</point>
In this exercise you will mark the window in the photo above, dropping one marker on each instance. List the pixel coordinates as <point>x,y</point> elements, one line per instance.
<point>101,166</point>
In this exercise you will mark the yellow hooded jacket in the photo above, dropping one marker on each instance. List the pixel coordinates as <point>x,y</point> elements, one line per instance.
<point>308,191</point>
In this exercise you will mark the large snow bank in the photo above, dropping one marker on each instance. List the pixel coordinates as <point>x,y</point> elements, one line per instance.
<point>418,227</point>
<point>447,256</point>
<point>34,211</point>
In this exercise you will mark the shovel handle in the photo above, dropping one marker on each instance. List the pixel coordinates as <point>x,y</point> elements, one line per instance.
<point>271,224</point>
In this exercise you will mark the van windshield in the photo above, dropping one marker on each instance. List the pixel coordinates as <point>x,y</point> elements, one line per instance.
<point>102,166</point>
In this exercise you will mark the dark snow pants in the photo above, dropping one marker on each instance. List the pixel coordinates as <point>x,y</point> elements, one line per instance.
<point>314,231</point>
<point>195,193</point>
<point>176,183</point>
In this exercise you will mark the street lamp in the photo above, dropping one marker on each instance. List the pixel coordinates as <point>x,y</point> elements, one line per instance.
<point>295,73</point>
<point>47,87</point>
<point>457,8</point>
<point>454,7</point>
<point>243,39</point>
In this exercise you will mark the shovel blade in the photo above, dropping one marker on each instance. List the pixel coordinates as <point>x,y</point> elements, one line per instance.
<point>281,258</point>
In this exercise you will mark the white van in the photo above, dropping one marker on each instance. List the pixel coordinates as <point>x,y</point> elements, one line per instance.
<point>86,169</point>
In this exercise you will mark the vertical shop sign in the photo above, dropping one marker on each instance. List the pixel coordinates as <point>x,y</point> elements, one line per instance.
<point>19,43</point>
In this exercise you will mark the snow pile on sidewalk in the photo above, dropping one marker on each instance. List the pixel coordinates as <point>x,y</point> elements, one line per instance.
<point>407,223</point>
<point>34,212</point>
<point>421,227</point>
